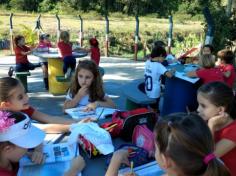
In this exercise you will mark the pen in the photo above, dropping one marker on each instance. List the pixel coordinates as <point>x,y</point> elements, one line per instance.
<point>100,114</point>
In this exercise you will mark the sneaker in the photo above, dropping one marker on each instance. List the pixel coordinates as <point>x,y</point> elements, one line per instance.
<point>68,73</point>
<point>10,71</point>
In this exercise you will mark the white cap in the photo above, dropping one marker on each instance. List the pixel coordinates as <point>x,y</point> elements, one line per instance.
<point>23,133</point>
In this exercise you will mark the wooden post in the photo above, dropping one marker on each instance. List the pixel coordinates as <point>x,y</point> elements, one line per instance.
<point>58,27</point>
<point>136,38</point>
<point>170,34</point>
<point>210,24</point>
<point>81,35</point>
<point>11,34</point>
<point>107,37</point>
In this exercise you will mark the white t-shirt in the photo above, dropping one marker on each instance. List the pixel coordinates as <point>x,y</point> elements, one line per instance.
<point>152,73</point>
<point>84,101</point>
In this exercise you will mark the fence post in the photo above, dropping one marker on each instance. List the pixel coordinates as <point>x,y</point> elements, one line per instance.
<point>136,38</point>
<point>11,33</point>
<point>170,34</point>
<point>38,26</point>
<point>210,26</point>
<point>107,37</point>
<point>58,27</point>
<point>81,35</point>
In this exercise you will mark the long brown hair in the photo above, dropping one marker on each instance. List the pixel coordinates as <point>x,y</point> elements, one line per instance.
<point>96,91</point>
<point>187,140</point>
<point>6,85</point>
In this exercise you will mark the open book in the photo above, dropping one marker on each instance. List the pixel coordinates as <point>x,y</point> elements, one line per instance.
<point>54,153</point>
<point>79,113</point>
<point>149,169</point>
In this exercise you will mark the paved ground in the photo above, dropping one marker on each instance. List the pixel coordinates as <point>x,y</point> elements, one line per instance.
<point>118,71</point>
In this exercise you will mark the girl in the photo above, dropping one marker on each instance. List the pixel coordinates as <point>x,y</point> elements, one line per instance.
<point>14,98</point>
<point>44,43</point>
<point>217,107</point>
<point>21,52</point>
<point>207,49</point>
<point>65,49</point>
<point>208,72</point>
<point>17,135</point>
<point>87,88</point>
<point>226,66</point>
<point>180,138</point>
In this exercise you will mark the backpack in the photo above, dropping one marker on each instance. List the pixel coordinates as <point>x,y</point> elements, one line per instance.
<point>144,138</point>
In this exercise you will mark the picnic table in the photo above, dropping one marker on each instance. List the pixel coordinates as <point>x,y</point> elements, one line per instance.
<point>55,65</point>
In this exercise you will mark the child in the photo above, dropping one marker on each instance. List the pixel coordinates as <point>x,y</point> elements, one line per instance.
<point>180,138</point>
<point>153,72</point>
<point>87,88</point>
<point>95,51</point>
<point>65,49</point>
<point>17,134</point>
<point>208,72</point>
<point>226,66</point>
<point>14,98</point>
<point>217,107</point>
<point>207,49</point>
<point>21,52</point>
<point>44,43</point>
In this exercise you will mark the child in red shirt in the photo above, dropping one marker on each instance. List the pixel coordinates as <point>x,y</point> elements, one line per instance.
<point>208,72</point>
<point>21,52</point>
<point>226,66</point>
<point>65,49</point>
<point>217,107</point>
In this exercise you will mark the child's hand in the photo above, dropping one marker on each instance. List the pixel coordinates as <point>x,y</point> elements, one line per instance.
<point>89,119</point>
<point>77,165</point>
<point>121,156</point>
<point>37,155</point>
<point>90,107</point>
<point>217,121</point>
<point>83,91</point>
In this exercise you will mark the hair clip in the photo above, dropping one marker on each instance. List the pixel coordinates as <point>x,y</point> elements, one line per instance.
<point>5,121</point>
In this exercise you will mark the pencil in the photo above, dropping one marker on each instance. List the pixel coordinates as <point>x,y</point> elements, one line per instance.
<point>132,167</point>
<point>110,127</point>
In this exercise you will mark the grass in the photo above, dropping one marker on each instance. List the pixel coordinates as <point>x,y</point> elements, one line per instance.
<point>94,22</point>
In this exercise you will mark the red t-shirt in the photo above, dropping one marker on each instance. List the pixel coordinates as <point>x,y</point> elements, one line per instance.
<point>209,75</point>
<point>20,58</point>
<point>5,172</point>
<point>65,49</point>
<point>228,132</point>
<point>231,78</point>
<point>95,55</point>
<point>29,111</point>
<point>43,44</point>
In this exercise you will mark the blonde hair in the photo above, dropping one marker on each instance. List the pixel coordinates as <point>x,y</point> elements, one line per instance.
<point>65,36</point>
<point>207,61</point>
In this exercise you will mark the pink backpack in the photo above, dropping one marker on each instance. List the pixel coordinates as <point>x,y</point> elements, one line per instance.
<point>144,138</point>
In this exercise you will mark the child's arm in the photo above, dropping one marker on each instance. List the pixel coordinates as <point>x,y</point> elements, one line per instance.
<point>82,49</point>
<point>77,165</point>
<point>169,74</point>
<point>192,74</point>
<point>223,147</point>
<point>36,155</point>
<point>106,103</point>
<point>119,157</point>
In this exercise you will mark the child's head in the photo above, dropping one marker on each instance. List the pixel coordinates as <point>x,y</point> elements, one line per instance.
<point>87,74</point>
<point>181,138</point>
<point>207,49</point>
<point>214,98</point>
<point>44,37</point>
<point>226,55</point>
<point>93,42</point>
<point>158,51</point>
<point>17,135</point>
<point>207,61</point>
<point>65,36</point>
<point>19,40</point>
<point>12,95</point>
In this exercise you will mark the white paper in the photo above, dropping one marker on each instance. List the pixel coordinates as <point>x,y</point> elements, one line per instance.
<point>54,153</point>
<point>182,75</point>
<point>78,113</point>
<point>149,169</point>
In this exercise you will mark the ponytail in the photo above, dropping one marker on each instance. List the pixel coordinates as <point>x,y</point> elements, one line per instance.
<point>216,167</point>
